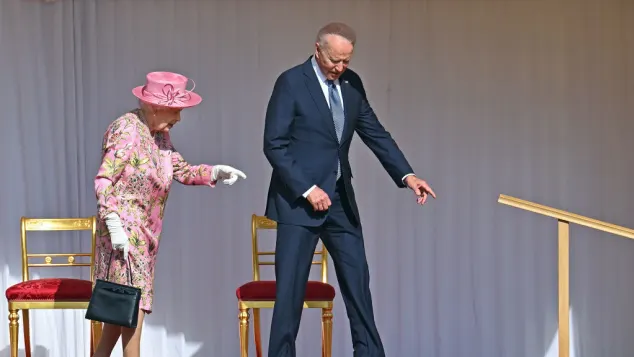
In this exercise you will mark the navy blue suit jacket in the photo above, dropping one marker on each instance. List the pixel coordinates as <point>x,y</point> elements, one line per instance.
<point>301,144</point>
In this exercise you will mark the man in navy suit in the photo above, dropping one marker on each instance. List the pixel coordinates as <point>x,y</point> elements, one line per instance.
<point>313,112</point>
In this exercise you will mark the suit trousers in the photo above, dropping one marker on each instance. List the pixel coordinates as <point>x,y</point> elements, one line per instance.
<point>294,252</point>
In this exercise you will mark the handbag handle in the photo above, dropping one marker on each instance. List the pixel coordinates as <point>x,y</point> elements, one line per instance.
<point>127,262</point>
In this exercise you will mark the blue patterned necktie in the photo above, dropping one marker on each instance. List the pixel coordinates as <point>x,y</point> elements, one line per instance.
<point>338,116</point>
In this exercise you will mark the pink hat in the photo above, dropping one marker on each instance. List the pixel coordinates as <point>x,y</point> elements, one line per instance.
<point>167,89</point>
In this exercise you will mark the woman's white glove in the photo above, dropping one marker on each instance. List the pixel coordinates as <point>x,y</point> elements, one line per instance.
<point>227,174</point>
<point>118,238</point>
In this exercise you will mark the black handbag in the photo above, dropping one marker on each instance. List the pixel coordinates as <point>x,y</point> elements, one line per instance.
<point>113,303</point>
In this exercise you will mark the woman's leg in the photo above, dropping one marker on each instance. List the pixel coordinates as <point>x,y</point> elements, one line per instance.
<point>109,337</point>
<point>131,338</point>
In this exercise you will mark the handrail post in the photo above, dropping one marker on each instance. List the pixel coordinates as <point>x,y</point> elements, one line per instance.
<point>564,220</point>
<point>563,260</point>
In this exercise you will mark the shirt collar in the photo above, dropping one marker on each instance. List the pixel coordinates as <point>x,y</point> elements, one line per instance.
<point>320,75</point>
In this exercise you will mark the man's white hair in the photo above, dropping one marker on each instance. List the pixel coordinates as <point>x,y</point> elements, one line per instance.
<point>335,28</point>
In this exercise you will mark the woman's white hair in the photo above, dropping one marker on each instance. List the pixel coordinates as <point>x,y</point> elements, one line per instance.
<point>150,107</point>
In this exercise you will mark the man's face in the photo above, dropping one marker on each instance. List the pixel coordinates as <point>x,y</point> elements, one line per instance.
<point>334,58</point>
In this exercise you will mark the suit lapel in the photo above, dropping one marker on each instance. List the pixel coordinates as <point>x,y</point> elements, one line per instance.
<point>347,107</point>
<point>314,88</point>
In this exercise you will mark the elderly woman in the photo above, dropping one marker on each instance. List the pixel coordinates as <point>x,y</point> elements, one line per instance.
<point>138,165</point>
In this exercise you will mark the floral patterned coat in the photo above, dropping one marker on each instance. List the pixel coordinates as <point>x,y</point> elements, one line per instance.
<point>134,181</point>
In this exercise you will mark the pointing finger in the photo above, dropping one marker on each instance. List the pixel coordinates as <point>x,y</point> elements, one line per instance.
<point>431,192</point>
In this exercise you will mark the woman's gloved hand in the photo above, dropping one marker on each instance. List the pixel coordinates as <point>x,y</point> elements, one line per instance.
<point>227,174</point>
<point>118,237</point>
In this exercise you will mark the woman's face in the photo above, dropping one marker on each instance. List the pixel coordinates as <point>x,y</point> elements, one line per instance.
<point>166,118</point>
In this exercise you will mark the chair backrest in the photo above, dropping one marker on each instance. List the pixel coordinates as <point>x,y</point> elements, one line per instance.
<point>260,223</point>
<point>56,224</point>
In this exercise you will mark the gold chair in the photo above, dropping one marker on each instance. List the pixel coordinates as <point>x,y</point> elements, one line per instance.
<point>50,293</point>
<point>259,294</point>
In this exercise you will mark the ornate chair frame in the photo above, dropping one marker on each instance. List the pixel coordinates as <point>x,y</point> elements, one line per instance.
<point>256,300</point>
<point>76,292</point>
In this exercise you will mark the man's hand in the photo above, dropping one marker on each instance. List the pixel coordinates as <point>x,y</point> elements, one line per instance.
<point>420,188</point>
<point>319,199</point>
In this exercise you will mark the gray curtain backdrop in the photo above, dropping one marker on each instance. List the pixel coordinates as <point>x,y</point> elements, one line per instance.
<point>529,98</point>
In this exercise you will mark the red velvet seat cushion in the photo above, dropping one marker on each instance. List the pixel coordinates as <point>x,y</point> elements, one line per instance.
<point>53,289</point>
<point>265,290</point>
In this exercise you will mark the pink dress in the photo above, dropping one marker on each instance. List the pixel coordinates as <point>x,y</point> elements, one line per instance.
<point>134,181</point>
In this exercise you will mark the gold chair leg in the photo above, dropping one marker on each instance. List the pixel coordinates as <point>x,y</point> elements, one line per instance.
<point>92,341</point>
<point>95,332</point>
<point>326,332</point>
<point>244,332</point>
<point>14,326</point>
<point>27,332</point>
<point>256,332</point>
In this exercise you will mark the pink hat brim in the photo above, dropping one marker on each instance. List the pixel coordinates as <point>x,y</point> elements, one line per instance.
<point>194,99</point>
